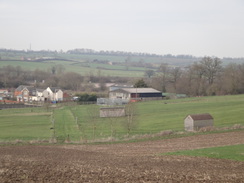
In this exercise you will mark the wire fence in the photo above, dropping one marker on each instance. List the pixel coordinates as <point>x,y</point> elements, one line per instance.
<point>112,101</point>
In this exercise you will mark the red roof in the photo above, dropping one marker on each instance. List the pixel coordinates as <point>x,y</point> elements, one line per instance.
<point>66,95</point>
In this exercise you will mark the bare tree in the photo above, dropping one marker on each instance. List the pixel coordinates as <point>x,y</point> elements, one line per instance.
<point>232,79</point>
<point>93,113</point>
<point>175,76</point>
<point>149,73</point>
<point>211,68</point>
<point>60,69</point>
<point>71,80</point>
<point>164,73</point>
<point>130,110</point>
<point>241,78</point>
<point>198,85</point>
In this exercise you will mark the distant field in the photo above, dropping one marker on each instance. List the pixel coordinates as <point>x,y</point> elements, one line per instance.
<point>235,152</point>
<point>84,63</point>
<point>90,57</point>
<point>82,122</point>
<point>79,67</point>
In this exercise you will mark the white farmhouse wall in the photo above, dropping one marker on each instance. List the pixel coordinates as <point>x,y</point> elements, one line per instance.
<point>46,95</point>
<point>59,96</point>
<point>49,95</point>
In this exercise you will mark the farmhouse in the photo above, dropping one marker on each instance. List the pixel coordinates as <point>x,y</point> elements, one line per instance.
<point>24,93</point>
<point>53,94</point>
<point>136,93</point>
<point>30,93</point>
<point>196,121</point>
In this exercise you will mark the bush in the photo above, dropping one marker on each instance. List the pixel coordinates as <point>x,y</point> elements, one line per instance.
<point>87,97</point>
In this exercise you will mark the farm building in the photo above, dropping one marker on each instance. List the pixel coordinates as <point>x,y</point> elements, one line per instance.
<point>196,121</point>
<point>53,94</point>
<point>30,93</point>
<point>136,93</point>
<point>119,86</point>
<point>23,93</point>
<point>112,111</point>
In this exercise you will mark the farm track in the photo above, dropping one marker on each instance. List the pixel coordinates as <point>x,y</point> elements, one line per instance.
<point>130,162</point>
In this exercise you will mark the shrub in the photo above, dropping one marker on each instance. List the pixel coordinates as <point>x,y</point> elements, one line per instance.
<point>87,97</point>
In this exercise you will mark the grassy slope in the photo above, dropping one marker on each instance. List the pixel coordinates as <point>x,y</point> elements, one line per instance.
<point>92,126</point>
<point>235,152</point>
<point>156,116</point>
<point>151,117</point>
<point>65,125</point>
<point>25,124</point>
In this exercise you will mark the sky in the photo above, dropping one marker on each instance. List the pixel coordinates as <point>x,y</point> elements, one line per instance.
<point>194,27</point>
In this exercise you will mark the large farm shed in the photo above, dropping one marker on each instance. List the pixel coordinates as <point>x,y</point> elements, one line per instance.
<point>136,93</point>
<point>118,86</point>
<point>196,121</point>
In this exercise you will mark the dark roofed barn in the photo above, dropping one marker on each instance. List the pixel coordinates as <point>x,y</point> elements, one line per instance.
<point>136,93</point>
<point>196,121</point>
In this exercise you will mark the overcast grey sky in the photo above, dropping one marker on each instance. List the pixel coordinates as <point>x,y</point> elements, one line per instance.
<point>196,27</point>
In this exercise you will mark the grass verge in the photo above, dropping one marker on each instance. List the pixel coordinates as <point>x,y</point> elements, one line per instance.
<point>234,152</point>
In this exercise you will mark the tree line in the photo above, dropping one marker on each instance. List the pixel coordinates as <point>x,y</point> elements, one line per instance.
<point>55,76</point>
<point>206,77</point>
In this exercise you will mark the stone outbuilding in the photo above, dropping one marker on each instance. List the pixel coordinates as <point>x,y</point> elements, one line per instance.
<point>194,122</point>
<point>112,111</point>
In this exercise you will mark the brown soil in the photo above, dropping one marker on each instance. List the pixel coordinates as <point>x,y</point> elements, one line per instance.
<point>130,162</point>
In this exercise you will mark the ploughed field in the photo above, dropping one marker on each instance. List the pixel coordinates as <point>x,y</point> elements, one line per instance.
<point>127,162</point>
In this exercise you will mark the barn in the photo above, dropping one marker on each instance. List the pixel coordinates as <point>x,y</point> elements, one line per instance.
<point>136,93</point>
<point>196,121</point>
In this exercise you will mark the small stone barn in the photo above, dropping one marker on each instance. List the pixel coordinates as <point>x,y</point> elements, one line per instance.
<point>196,121</point>
<point>112,112</point>
<point>136,93</point>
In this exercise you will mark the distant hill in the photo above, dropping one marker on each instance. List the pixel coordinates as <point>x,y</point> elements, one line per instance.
<point>110,63</point>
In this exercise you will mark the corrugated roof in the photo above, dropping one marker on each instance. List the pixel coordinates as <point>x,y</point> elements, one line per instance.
<point>122,85</point>
<point>205,116</point>
<point>140,90</point>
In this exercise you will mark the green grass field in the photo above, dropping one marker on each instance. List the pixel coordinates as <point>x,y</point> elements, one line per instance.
<point>65,126</point>
<point>25,124</point>
<point>235,152</point>
<point>81,68</point>
<point>78,122</point>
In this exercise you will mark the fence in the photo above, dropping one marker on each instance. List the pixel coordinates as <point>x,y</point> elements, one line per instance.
<point>112,102</point>
<point>12,106</point>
